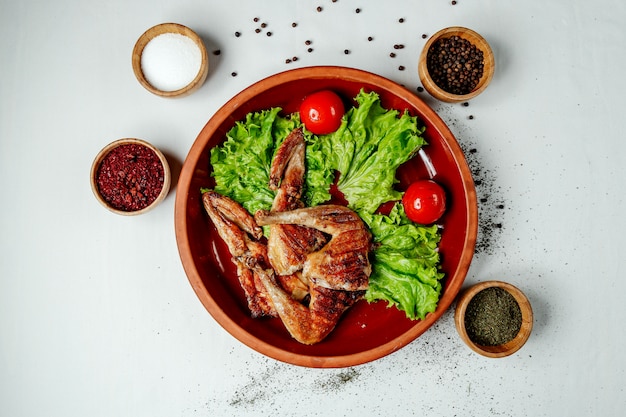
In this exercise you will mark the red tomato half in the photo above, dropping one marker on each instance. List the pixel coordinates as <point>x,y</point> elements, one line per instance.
<point>321,112</point>
<point>424,201</point>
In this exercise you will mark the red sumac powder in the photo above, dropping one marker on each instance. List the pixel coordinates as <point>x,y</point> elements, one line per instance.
<point>130,177</point>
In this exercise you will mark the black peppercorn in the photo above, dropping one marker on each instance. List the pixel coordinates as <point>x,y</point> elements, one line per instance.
<point>455,64</point>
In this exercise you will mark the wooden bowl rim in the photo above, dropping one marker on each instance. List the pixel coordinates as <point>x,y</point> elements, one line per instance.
<point>513,345</point>
<point>477,40</point>
<point>160,29</point>
<point>167,176</point>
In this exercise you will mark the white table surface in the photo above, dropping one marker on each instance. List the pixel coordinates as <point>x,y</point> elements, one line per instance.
<point>97,317</point>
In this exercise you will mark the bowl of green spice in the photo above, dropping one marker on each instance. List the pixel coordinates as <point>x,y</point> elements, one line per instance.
<point>494,318</point>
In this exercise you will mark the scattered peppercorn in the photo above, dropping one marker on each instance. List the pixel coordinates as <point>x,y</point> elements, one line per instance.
<point>307,42</point>
<point>269,33</point>
<point>287,61</point>
<point>256,19</point>
<point>455,64</point>
<point>310,50</point>
<point>420,89</point>
<point>453,2</point>
<point>392,55</point>
<point>401,68</point>
<point>424,36</point>
<point>401,20</point>
<point>466,104</point>
<point>346,51</point>
<point>237,34</point>
<point>294,24</point>
<point>471,117</point>
<point>369,38</point>
<point>319,8</point>
<point>233,74</point>
<point>257,30</point>
<point>263,25</point>
<point>358,10</point>
<point>217,52</point>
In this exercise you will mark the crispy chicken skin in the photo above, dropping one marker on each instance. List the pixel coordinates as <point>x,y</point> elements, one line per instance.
<point>341,264</point>
<point>310,325</point>
<point>315,264</point>
<point>238,229</point>
<point>288,245</point>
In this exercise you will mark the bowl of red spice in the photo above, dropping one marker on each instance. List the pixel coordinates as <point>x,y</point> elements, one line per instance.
<point>456,64</point>
<point>494,318</point>
<point>130,176</point>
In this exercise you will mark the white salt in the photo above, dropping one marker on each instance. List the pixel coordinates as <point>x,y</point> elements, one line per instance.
<point>171,61</point>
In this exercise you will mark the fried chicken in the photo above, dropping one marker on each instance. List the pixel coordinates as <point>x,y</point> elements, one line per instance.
<point>241,234</point>
<point>341,264</point>
<point>288,245</point>
<point>310,325</point>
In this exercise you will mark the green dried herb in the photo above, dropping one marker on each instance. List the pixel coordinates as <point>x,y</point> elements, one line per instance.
<point>493,317</point>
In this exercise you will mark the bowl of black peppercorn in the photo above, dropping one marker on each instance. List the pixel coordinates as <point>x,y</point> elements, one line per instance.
<point>456,64</point>
<point>494,318</point>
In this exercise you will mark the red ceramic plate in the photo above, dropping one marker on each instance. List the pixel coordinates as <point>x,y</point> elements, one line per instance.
<point>367,331</point>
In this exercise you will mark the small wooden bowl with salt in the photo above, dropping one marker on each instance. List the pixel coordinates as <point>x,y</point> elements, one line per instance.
<point>170,60</point>
<point>494,318</point>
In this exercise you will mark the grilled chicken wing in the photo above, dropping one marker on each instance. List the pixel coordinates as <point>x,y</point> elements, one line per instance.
<point>288,245</point>
<point>238,229</point>
<point>341,264</point>
<point>310,325</point>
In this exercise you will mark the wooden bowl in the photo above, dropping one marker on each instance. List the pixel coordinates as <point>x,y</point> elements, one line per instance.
<point>488,65</point>
<point>367,331</point>
<point>95,166</point>
<point>161,29</point>
<point>505,349</point>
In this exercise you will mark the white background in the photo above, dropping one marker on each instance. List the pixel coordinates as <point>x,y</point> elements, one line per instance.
<point>97,317</point>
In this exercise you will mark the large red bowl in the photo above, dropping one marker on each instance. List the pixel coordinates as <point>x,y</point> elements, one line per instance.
<point>367,331</point>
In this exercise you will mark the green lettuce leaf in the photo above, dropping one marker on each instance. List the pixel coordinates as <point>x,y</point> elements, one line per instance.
<point>405,264</point>
<point>368,148</point>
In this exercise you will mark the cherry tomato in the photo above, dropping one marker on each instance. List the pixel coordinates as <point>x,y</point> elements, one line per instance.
<point>321,112</point>
<point>424,201</point>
